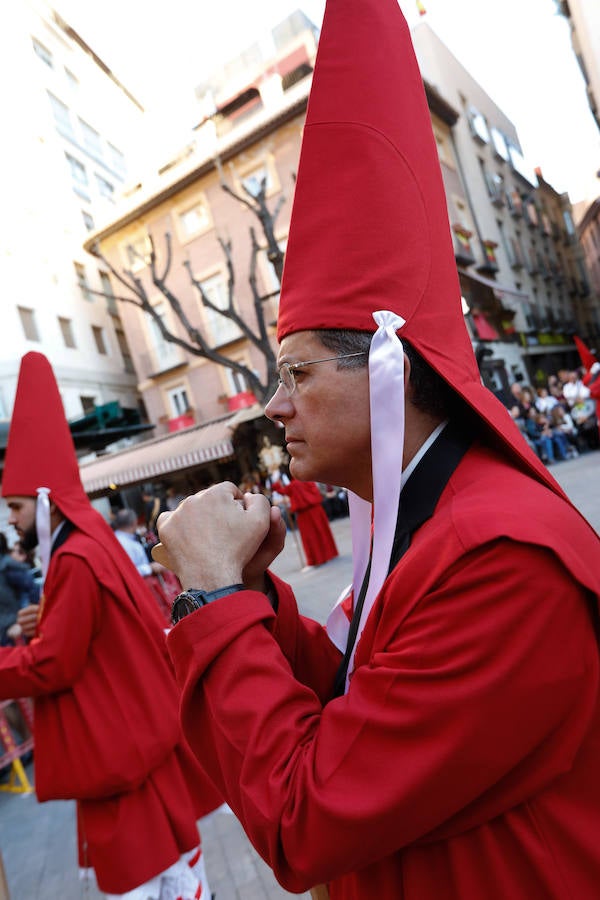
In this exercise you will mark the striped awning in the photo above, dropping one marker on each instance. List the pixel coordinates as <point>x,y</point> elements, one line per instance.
<point>152,459</point>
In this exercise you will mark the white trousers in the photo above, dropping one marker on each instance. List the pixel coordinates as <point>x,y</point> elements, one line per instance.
<point>186,879</point>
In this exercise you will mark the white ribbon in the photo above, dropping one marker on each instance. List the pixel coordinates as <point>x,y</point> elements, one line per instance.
<point>42,524</point>
<point>386,388</point>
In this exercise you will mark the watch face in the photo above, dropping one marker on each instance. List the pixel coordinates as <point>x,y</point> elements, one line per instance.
<point>184,604</point>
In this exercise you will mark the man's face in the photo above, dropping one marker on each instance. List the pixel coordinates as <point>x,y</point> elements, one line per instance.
<point>326,419</point>
<point>22,518</point>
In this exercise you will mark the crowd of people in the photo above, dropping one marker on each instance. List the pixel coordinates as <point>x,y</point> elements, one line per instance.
<point>558,419</point>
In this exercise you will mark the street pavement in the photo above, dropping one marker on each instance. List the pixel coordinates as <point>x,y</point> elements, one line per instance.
<point>38,840</point>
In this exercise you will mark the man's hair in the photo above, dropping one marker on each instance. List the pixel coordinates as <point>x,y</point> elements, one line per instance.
<point>124,518</point>
<point>430,393</point>
<point>3,544</point>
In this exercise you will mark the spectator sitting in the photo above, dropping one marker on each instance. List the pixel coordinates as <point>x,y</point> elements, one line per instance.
<point>563,422</point>
<point>544,440</point>
<point>574,390</point>
<point>525,402</point>
<point>545,401</point>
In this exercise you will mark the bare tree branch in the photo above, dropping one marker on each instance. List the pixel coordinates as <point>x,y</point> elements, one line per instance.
<point>195,341</point>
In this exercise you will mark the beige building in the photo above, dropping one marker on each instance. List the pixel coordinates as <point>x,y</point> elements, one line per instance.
<point>525,280</point>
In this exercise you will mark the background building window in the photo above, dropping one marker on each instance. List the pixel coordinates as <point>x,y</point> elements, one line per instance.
<point>237,382</point>
<point>124,348</point>
<point>478,126</point>
<point>116,161</point>
<point>83,282</point>
<point>88,220</point>
<point>72,79</point>
<point>91,139</point>
<point>499,143</point>
<point>42,52</point>
<point>178,399</point>
<point>137,253</point>
<point>253,180</point>
<point>78,176</point>
<point>30,329</point>
<point>88,404</point>
<point>167,354</point>
<point>62,116</point>
<point>66,328</point>
<point>222,330</point>
<point>105,188</point>
<point>107,290</point>
<point>99,339</point>
<point>195,219</point>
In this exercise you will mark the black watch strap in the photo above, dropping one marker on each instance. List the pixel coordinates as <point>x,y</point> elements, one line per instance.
<point>189,601</point>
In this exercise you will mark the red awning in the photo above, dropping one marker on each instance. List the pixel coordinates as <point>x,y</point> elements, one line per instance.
<point>484,330</point>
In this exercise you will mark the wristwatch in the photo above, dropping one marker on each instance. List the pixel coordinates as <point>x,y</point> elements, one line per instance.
<point>189,601</point>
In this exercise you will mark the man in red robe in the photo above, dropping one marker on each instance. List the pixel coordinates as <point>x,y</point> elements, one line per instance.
<point>443,743</point>
<point>306,503</point>
<point>106,727</point>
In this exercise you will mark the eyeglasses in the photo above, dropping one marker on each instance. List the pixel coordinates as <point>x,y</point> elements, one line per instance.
<point>286,370</point>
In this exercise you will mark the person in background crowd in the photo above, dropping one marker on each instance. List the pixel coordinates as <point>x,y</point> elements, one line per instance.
<point>524,402</point>
<point>163,583</point>
<point>548,446</point>
<point>544,401</point>
<point>154,504</point>
<point>562,422</point>
<point>573,389</point>
<point>125,524</point>
<point>173,498</point>
<point>105,700</point>
<point>440,740</point>
<point>335,501</point>
<point>17,590</point>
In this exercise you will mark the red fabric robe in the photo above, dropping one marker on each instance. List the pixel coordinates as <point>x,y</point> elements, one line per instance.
<point>306,503</point>
<point>463,762</point>
<point>106,717</point>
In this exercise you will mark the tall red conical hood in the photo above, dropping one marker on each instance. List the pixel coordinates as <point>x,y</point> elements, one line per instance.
<point>585,354</point>
<point>40,452</point>
<point>369,227</point>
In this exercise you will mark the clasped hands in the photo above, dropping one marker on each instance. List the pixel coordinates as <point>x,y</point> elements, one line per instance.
<point>220,536</point>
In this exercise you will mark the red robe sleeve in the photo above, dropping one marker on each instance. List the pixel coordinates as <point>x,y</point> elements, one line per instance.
<point>466,708</point>
<point>54,659</point>
<point>313,658</point>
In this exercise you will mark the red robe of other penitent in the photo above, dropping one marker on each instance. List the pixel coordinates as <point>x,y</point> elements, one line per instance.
<point>306,503</point>
<point>106,725</point>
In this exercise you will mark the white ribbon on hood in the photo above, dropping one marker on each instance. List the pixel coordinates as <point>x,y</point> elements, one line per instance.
<point>43,528</point>
<point>386,390</point>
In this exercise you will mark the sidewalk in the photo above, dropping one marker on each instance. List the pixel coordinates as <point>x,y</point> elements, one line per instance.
<point>38,840</point>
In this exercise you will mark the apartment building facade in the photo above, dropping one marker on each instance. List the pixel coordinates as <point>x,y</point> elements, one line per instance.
<point>584,21</point>
<point>72,128</point>
<point>524,280</point>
